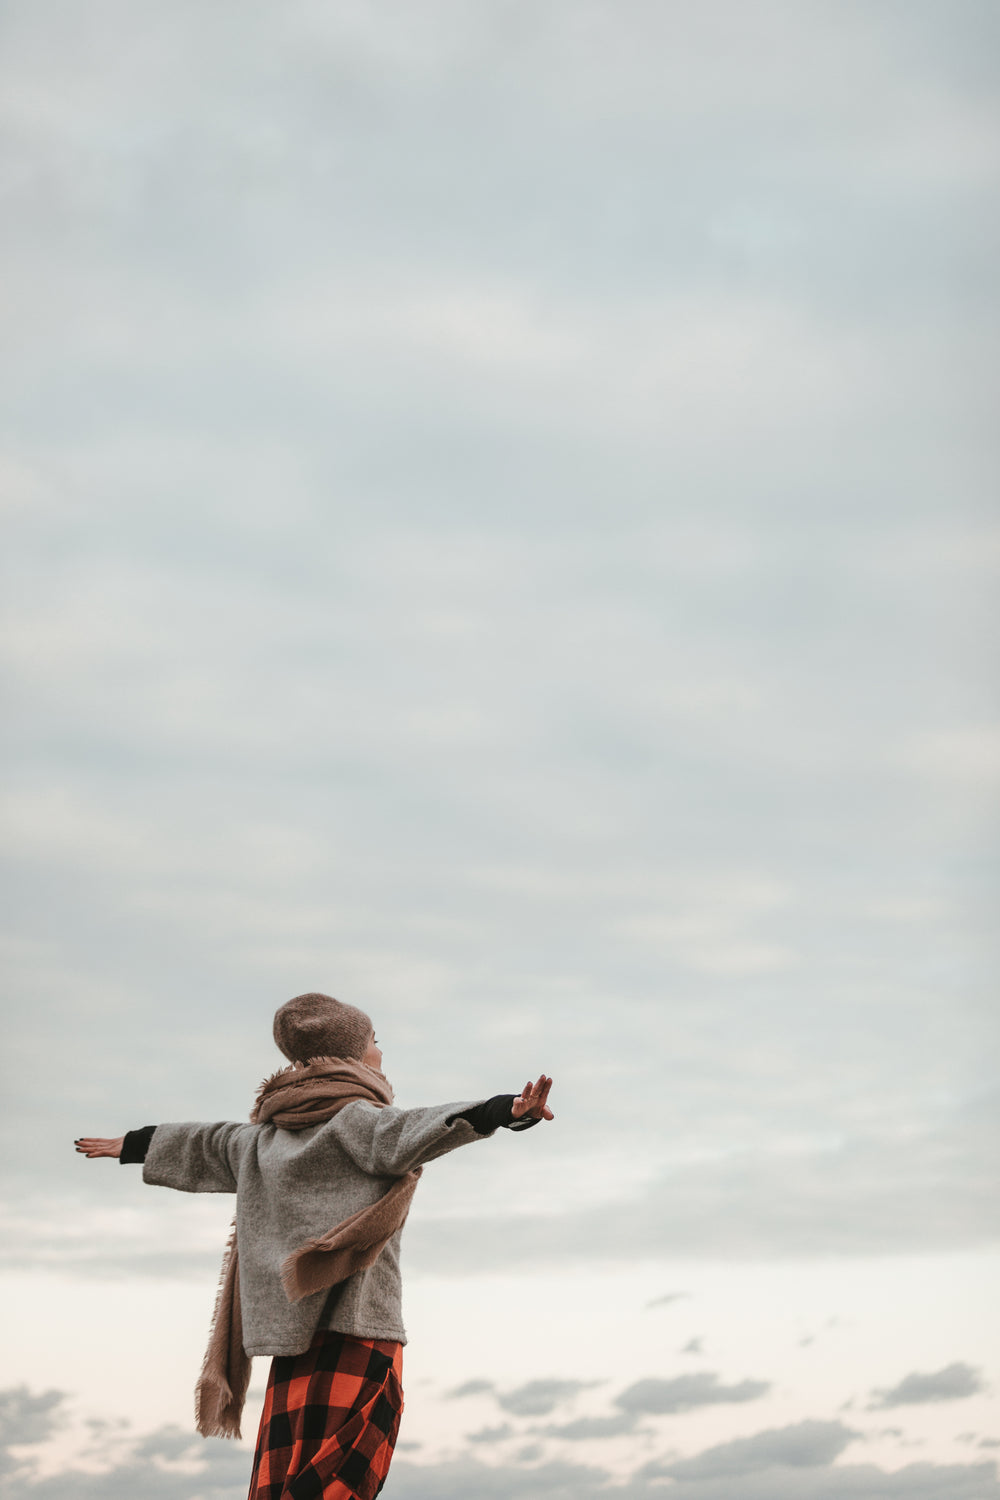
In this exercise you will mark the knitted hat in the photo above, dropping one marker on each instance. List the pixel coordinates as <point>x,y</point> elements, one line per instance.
<point>316,1025</point>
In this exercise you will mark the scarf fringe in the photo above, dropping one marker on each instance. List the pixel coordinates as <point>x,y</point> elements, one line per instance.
<point>281,1074</point>
<point>226,1421</point>
<point>296,1281</point>
<point>220,1290</point>
<point>290,1276</point>
<point>217,1407</point>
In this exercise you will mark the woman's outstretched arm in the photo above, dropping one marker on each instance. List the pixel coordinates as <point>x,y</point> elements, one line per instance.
<point>193,1156</point>
<point>391,1142</point>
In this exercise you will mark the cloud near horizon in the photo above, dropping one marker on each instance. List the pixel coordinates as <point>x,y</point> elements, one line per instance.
<point>792,1463</point>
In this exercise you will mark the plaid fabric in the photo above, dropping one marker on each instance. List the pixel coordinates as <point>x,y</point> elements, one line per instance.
<point>330,1420</point>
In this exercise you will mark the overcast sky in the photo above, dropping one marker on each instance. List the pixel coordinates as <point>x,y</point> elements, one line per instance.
<point>500,515</point>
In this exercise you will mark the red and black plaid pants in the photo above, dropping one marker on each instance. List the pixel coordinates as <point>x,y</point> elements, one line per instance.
<point>330,1420</point>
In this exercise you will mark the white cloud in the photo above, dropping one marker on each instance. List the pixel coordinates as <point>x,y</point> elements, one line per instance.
<point>968,758</point>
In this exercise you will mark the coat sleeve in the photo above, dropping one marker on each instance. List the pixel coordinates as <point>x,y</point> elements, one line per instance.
<point>391,1142</point>
<point>196,1158</point>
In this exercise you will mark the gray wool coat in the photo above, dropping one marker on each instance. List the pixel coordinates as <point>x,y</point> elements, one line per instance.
<point>292,1185</point>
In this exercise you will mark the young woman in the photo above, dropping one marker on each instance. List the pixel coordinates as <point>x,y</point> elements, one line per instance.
<point>323,1176</point>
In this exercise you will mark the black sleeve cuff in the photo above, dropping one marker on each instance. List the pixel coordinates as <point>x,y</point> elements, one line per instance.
<point>496,1112</point>
<point>485,1118</point>
<point>136,1144</point>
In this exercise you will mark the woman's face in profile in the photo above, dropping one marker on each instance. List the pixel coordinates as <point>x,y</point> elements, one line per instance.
<point>373,1057</point>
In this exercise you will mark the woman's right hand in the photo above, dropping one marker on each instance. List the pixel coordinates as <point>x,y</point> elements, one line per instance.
<point>533,1101</point>
<point>95,1145</point>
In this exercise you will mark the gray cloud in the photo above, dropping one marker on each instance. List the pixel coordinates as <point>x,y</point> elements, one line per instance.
<point>539,1397</point>
<point>583,1429</point>
<point>226,1476</point>
<point>808,1444</point>
<point>463,1480</point>
<point>25,1418</point>
<point>536,1398</point>
<point>686,1393</point>
<point>168,1442</point>
<point>222,1478</point>
<point>952,1383</point>
<point>529,1454</point>
<point>471,1388</point>
<point>491,1434</point>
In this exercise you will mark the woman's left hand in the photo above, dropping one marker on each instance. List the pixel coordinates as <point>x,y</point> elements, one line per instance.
<point>533,1101</point>
<point>95,1145</point>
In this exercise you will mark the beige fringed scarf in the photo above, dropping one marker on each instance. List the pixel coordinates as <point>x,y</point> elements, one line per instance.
<point>297,1096</point>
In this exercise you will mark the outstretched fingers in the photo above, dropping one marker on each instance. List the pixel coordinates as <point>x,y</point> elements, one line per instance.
<point>535,1098</point>
<point>96,1145</point>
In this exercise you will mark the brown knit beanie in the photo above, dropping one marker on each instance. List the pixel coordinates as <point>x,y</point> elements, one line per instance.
<point>316,1025</point>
